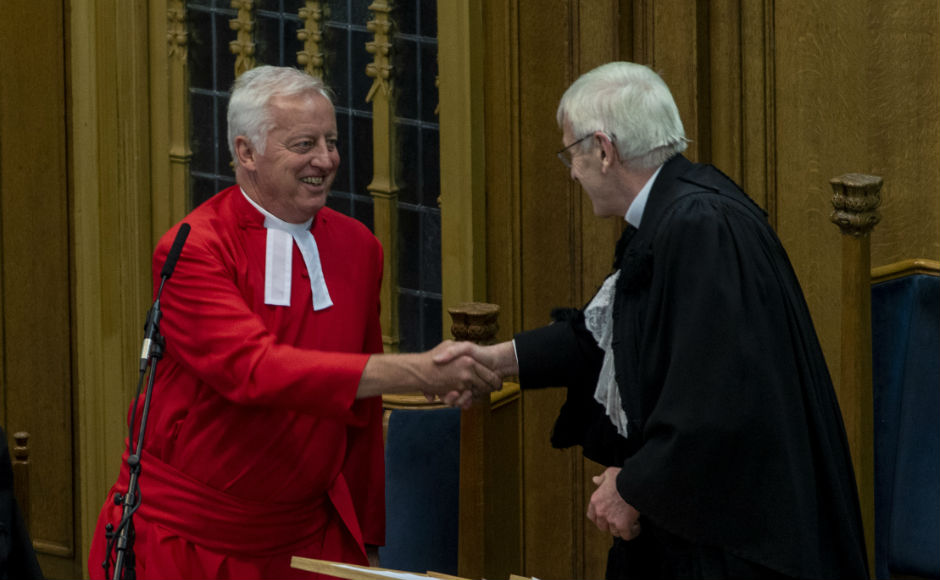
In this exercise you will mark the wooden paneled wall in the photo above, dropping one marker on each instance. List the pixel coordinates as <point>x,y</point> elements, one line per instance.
<point>781,96</point>
<point>35,309</point>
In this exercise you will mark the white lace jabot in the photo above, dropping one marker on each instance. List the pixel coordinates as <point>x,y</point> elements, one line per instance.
<point>279,259</point>
<point>598,317</point>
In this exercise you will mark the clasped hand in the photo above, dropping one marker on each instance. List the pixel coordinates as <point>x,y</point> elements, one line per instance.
<point>609,511</point>
<point>484,370</point>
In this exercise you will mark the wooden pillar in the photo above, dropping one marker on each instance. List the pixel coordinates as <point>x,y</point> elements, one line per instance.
<point>855,199</point>
<point>173,207</point>
<point>477,322</point>
<point>384,187</point>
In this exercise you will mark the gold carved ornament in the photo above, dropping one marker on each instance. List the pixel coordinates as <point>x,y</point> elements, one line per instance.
<point>243,47</point>
<point>177,36</point>
<point>311,57</point>
<point>380,68</point>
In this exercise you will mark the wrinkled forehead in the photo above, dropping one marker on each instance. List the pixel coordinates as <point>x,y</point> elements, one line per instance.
<point>311,101</point>
<point>304,109</point>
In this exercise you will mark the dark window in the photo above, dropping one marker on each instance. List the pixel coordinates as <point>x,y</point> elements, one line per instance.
<point>211,74</point>
<point>419,216</point>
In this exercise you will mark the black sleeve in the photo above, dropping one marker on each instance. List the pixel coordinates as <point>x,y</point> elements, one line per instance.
<point>559,354</point>
<point>565,354</point>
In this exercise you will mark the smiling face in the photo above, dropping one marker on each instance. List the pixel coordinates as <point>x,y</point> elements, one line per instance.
<point>292,177</point>
<point>590,167</point>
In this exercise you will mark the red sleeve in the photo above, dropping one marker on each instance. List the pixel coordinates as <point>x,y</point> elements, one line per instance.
<point>212,332</point>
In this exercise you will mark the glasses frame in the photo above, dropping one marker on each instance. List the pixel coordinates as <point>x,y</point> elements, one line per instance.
<point>564,154</point>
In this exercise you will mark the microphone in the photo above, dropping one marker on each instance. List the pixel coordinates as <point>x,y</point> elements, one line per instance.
<point>153,315</point>
<point>175,250</point>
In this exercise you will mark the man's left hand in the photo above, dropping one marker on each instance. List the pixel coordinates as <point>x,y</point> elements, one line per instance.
<point>609,511</point>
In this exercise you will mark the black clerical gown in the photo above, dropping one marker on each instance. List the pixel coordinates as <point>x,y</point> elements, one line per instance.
<point>735,438</point>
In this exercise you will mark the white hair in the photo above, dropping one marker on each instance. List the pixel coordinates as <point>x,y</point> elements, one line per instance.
<point>630,102</point>
<point>248,111</point>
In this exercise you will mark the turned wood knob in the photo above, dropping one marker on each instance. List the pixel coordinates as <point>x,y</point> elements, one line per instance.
<point>855,200</point>
<point>475,321</point>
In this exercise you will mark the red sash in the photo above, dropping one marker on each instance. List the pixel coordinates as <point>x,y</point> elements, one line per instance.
<point>227,524</point>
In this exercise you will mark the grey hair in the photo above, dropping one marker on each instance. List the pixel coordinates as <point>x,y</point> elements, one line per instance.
<point>632,103</point>
<point>248,111</point>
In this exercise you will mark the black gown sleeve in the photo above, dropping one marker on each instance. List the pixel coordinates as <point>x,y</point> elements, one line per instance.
<point>565,353</point>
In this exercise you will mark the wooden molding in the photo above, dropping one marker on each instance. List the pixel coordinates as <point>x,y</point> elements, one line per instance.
<point>905,268</point>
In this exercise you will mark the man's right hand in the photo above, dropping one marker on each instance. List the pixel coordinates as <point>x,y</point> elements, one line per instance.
<point>441,372</point>
<point>501,358</point>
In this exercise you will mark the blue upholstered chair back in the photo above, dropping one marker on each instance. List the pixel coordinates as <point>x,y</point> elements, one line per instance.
<point>906,351</point>
<point>422,476</point>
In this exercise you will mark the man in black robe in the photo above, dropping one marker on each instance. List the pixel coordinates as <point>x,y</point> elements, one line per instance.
<point>695,372</point>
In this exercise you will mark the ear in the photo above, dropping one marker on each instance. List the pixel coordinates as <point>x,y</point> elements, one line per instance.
<point>245,152</point>
<point>609,153</point>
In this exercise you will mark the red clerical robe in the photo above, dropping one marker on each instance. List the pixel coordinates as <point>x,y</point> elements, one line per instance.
<point>256,447</point>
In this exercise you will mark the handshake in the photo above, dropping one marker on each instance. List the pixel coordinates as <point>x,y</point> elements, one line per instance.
<point>453,372</point>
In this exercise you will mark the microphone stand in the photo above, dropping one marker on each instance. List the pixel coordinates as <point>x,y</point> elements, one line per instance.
<point>150,355</point>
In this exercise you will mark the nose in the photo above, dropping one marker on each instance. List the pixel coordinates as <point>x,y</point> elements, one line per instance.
<point>322,155</point>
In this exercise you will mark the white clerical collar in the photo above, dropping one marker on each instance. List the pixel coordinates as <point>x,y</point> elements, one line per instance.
<point>279,259</point>
<point>635,211</point>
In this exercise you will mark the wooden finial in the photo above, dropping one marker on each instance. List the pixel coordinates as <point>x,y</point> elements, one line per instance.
<point>21,450</point>
<point>475,321</point>
<point>855,199</point>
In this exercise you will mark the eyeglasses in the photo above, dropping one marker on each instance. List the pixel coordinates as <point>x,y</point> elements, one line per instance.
<point>566,155</point>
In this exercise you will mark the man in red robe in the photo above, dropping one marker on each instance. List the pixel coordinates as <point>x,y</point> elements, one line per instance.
<point>264,432</point>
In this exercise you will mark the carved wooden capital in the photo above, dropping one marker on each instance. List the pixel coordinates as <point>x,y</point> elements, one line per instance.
<point>475,321</point>
<point>855,200</point>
